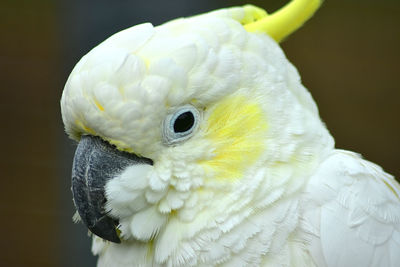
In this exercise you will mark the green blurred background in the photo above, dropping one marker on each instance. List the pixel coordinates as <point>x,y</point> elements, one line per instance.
<point>348,56</point>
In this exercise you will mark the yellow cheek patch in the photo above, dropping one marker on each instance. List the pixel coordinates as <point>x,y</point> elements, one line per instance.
<point>236,127</point>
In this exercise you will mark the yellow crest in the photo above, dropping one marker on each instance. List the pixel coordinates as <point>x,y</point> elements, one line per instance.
<point>283,22</point>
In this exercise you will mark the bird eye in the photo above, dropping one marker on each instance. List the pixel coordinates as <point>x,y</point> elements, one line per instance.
<point>184,122</point>
<point>180,125</point>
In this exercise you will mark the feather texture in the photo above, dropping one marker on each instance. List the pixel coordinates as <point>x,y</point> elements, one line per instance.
<point>258,183</point>
<point>352,215</point>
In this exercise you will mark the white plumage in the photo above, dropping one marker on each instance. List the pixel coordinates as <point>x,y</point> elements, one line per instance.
<point>259,183</point>
<point>352,212</point>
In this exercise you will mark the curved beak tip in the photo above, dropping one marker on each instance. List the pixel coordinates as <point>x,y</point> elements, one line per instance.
<point>96,162</point>
<point>105,228</point>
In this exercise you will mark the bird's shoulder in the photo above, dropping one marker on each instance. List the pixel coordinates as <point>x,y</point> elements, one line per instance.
<point>351,212</point>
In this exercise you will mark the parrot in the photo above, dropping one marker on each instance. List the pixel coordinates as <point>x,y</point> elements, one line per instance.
<point>198,145</point>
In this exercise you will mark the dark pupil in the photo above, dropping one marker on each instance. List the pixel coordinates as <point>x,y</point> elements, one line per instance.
<point>184,122</point>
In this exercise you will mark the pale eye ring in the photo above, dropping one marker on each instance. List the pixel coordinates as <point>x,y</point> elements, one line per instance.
<point>180,125</point>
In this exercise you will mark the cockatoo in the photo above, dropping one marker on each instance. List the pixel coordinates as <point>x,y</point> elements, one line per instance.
<point>199,146</point>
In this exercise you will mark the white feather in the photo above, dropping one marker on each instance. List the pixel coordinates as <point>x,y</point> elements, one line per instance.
<point>359,214</point>
<point>300,203</point>
<point>146,224</point>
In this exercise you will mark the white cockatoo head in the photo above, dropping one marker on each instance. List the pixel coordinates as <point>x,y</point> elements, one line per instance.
<point>189,127</point>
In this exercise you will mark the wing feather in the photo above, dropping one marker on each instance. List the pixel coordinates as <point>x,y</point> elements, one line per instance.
<point>352,213</point>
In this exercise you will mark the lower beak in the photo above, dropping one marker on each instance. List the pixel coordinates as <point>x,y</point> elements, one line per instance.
<point>96,162</point>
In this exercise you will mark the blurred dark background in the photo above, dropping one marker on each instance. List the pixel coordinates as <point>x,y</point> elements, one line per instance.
<point>348,56</point>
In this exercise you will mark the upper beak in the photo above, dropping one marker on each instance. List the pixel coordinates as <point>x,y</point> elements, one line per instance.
<point>96,162</point>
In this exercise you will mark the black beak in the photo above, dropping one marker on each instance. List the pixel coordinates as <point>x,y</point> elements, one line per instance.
<point>96,162</point>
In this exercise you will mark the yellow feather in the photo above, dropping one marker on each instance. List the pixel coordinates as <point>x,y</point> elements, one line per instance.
<point>84,128</point>
<point>237,127</point>
<point>286,20</point>
<point>98,105</point>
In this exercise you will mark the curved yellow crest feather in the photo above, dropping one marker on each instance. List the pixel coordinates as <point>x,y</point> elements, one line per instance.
<point>286,20</point>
